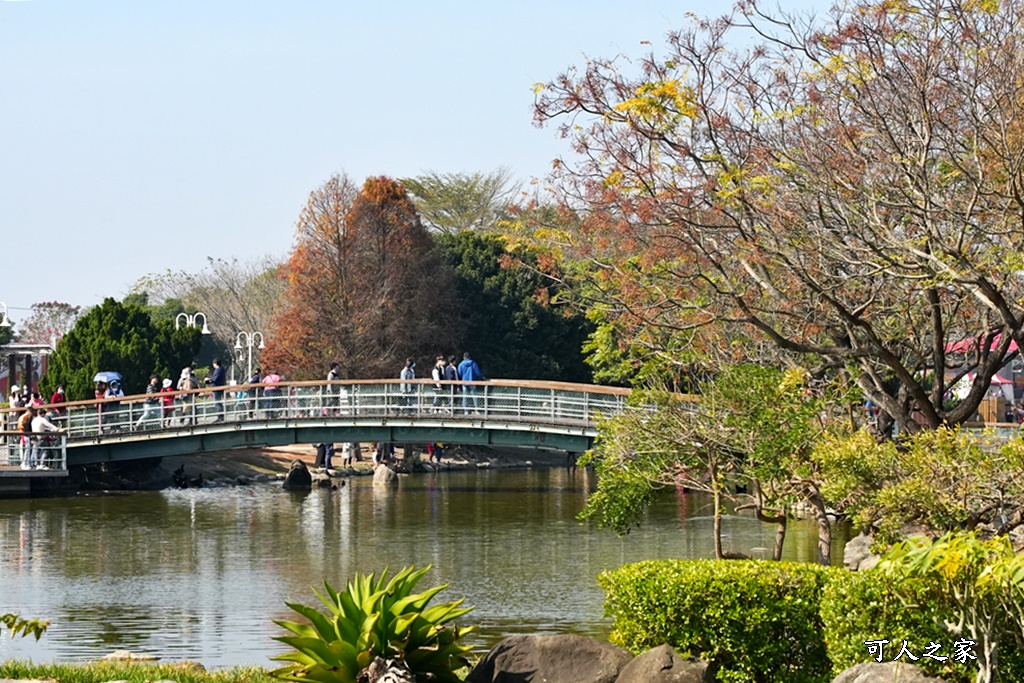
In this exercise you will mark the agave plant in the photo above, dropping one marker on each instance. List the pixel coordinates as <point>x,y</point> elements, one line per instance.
<point>374,618</point>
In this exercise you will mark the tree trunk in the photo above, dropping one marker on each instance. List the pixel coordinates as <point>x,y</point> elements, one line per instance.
<point>824,529</point>
<point>717,492</point>
<point>780,539</point>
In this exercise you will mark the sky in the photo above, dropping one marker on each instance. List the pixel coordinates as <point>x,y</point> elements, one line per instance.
<point>141,137</point>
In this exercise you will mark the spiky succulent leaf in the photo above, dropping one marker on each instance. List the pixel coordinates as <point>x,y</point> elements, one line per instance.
<point>374,616</point>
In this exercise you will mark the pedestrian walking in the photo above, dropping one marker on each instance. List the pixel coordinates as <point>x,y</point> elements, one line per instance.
<point>151,406</point>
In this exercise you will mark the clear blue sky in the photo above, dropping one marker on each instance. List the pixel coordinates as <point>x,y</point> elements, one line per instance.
<point>141,136</point>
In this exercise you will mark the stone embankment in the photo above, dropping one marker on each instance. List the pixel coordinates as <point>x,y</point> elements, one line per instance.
<point>579,659</point>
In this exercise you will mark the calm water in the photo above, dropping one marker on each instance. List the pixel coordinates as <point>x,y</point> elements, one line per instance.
<point>199,574</point>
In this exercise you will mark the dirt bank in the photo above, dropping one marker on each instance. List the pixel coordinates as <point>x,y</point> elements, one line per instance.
<point>262,464</point>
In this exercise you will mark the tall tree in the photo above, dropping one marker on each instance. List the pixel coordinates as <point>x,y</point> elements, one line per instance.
<point>510,321</point>
<point>121,338</point>
<point>451,202</point>
<point>363,285</point>
<point>49,321</point>
<point>235,296</point>
<point>848,191</point>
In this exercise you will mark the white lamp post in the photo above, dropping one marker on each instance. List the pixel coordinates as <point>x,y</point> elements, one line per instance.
<point>250,339</point>
<point>191,320</point>
<point>6,322</point>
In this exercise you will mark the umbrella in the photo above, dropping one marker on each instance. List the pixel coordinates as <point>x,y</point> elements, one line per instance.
<point>107,377</point>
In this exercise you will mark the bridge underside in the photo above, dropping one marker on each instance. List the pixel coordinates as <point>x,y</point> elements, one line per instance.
<point>221,437</point>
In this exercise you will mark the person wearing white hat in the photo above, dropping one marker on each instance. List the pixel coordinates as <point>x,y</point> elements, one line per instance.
<point>167,398</point>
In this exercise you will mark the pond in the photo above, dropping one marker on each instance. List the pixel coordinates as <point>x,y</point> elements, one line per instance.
<point>200,573</point>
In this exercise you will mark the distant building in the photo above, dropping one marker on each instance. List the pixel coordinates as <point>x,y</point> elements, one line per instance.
<point>26,363</point>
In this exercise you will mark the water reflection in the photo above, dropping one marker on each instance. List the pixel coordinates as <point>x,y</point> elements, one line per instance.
<point>199,574</point>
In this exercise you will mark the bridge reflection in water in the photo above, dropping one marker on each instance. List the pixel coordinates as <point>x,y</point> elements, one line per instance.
<point>524,413</point>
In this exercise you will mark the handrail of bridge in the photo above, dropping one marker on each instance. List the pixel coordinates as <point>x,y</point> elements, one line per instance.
<point>522,401</point>
<point>34,451</point>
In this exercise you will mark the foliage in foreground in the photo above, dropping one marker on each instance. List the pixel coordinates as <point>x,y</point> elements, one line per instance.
<point>372,619</point>
<point>781,621</point>
<point>976,587</point>
<point>19,626</point>
<point>943,479</point>
<point>753,620</point>
<point>131,672</point>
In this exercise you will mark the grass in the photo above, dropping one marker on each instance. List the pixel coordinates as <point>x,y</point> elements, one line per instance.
<point>133,672</point>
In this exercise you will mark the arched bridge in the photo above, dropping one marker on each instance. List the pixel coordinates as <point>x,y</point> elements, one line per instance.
<point>550,415</point>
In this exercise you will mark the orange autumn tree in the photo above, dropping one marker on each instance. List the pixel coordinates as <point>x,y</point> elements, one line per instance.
<point>363,286</point>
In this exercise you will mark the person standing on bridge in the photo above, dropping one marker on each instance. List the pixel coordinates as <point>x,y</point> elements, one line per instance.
<point>437,373</point>
<point>41,442</point>
<point>151,408</point>
<point>167,399</point>
<point>408,373</point>
<point>330,398</point>
<point>272,394</point>
<point>469,371</point>
<point>451,374</point>
<point>218,378</point>
<point>187,382</point>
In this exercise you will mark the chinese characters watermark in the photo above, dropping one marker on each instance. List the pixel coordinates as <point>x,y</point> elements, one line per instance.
<point>963,650</point>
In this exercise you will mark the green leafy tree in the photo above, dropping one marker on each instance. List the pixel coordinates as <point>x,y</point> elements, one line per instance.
<point>510,321</point>
<point>452,202</point>
<point>749,424</point>
<point>122,338</point>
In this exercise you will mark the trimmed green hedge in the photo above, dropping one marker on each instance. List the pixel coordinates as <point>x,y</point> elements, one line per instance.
<point>754,621</point>
<point>767,622</point>
<point>860,606</point>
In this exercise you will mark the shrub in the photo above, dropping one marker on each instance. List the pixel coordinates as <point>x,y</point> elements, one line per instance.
<point>919,594</point>
<point>755,621</point>
<point>372,619</point>
<point>858,607</point>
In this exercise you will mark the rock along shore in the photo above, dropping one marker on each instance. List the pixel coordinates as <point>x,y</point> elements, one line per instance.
<point>255,465</point>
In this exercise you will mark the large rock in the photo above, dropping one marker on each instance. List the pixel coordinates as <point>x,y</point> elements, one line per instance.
<point>126,656</point>
<point>298,477</point>
<point>664,665</point>
<point>885,672</point>
<point>550,659</point>
<point>857,553</point>
<point>384,476</point>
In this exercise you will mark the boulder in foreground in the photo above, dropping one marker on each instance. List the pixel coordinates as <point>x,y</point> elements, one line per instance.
<point>551,659</point>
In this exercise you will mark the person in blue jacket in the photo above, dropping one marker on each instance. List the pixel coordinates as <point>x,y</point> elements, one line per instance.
<point>218,378</point>
<point>469,371</point>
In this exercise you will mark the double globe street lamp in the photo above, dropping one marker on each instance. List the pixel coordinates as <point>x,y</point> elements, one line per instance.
<point>250,340</point>
<point>191,320</point>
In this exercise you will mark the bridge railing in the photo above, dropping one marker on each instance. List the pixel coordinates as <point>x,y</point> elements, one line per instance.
<point>553,403</point>
<point>31,452</point>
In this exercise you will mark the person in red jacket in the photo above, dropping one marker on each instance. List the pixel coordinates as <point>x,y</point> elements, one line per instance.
<point>167,398</point>
<point>57,399</point>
